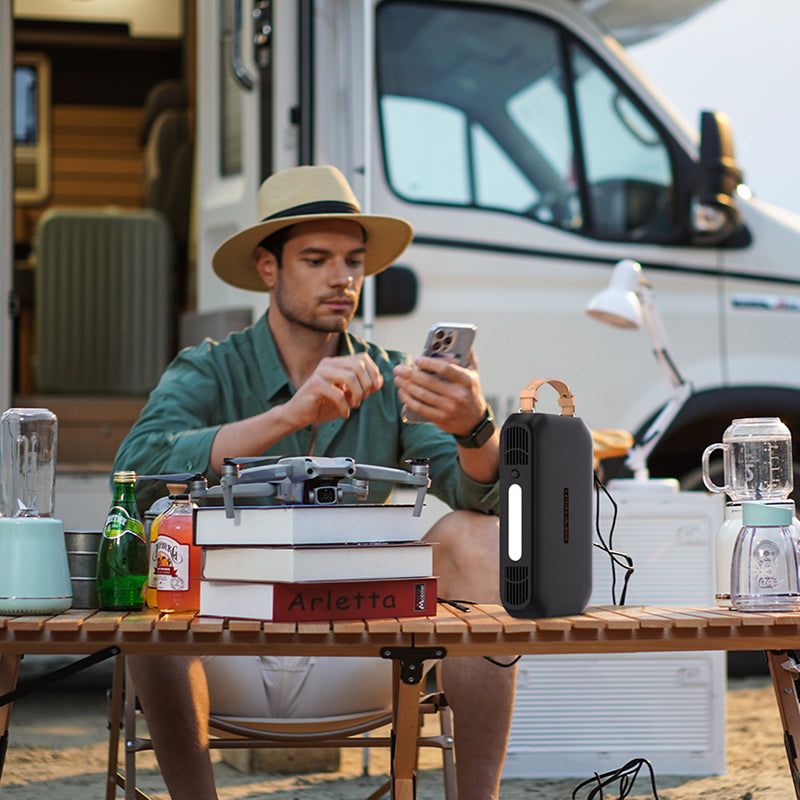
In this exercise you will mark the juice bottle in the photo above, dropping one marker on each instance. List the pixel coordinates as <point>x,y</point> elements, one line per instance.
<point>153,517</point>
<point>178,559</point>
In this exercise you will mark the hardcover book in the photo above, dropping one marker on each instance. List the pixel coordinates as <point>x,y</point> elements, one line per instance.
<point>314,602</point>
<point>323,563</point>
<point>314,524</point>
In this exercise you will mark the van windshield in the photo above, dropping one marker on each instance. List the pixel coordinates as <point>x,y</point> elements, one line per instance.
<point>500,109</point>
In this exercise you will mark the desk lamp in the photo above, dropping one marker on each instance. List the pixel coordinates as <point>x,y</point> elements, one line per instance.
<point>625,303</point>
<point>34,571</point>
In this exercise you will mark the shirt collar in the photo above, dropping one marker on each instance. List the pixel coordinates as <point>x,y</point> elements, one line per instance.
<point>270,361</point>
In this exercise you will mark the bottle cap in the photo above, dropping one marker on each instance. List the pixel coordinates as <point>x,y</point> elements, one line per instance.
<point>125,476</point>
<point>754,514</point>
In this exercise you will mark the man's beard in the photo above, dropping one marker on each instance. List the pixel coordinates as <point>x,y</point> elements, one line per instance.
<point>300,315</point>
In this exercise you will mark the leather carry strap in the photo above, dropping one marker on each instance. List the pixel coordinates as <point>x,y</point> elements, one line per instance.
<point>529,395</point>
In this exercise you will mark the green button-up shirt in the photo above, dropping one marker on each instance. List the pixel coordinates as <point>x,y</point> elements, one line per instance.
<point>215,383</point>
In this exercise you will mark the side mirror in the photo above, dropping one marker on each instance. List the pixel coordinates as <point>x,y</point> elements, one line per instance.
<point>396,292</point>
<point>715,215</point>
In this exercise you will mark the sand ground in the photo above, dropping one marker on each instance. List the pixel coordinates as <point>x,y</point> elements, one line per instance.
<point>58,749</point>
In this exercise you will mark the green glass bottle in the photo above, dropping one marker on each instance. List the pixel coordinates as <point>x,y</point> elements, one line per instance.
<point>122,557</point>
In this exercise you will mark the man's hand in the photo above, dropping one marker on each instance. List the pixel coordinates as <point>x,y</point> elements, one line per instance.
<point>336,386</point>
<point>448,395</point>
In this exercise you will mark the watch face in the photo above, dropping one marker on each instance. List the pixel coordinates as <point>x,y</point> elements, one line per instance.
<point>482,433</point>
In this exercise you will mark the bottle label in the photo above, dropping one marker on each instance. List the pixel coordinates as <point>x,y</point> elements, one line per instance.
<point>172,567</point>
<point>152,582</point>
<point>119,521</point>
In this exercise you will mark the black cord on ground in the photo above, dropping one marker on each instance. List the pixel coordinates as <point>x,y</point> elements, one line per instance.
<point>626,775</point>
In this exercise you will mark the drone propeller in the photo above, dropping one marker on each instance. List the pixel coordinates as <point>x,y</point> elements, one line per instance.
<point>249,461</point>
<point>173,477</point>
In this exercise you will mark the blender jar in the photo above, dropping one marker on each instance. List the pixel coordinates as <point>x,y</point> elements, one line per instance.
<point>27,462</point>
<point>757,460</point>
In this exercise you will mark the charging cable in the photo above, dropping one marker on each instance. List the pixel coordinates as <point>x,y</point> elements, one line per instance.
<point>618,559</point>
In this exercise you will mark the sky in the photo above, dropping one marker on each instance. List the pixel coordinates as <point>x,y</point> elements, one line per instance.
<point>741,57</point>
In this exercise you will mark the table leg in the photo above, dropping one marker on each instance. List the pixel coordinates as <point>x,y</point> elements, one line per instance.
<point>408,673</point>
<point>9,671</point>
<point>115,725</point>
<point>784,671</point>
<point>405,729</point>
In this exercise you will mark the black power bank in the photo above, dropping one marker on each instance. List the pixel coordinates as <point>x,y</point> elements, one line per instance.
<point>546,479</point>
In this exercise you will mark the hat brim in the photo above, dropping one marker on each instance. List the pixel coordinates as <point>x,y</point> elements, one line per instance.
<point>386,239</point>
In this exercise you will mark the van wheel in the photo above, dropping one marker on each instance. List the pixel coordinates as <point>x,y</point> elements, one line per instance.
<point>692,481</point>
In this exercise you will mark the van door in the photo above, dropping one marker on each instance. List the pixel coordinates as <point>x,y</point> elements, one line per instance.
<point>6,204</point>
<point>236,89</point>
<point>529,160</point>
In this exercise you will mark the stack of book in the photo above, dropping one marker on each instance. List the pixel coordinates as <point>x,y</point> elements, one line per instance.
<point>311,563</point>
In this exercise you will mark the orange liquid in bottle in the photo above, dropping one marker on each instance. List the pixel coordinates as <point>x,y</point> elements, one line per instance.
<point>178,561</point>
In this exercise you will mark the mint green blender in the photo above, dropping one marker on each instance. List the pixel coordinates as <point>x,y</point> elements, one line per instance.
<point>34,572</point>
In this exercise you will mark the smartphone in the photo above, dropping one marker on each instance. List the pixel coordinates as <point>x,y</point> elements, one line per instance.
<point>451,340</point>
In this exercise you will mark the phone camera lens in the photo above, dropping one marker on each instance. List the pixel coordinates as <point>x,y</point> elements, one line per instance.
<point>448,342</point>
<point>436,346</point>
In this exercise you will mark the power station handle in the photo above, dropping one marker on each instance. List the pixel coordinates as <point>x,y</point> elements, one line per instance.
<point>529,395</point>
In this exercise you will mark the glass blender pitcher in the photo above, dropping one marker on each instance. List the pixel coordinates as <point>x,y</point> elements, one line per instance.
<point>757,466</point>
<point>34,572</point>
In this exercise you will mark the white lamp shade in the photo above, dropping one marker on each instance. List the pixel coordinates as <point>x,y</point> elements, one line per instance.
<point>618,304</point>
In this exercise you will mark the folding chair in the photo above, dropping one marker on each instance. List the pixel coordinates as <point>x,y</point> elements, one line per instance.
<point>242,732</point>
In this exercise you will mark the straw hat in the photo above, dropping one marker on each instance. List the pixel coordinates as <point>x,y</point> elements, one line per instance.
<point>308,194</point>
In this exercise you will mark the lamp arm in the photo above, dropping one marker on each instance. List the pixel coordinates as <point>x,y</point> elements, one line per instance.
<point>640,452</point>
<point>661,347</point>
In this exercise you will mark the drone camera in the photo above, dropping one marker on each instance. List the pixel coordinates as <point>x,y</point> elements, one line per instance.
<point>325,495</point>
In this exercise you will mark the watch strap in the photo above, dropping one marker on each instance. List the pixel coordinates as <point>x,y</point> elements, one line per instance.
<point>481,433</point>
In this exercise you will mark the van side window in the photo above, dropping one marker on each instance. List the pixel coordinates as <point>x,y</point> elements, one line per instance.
<point>429,147</point>
<point>500,109</point>
<point>626,163</point>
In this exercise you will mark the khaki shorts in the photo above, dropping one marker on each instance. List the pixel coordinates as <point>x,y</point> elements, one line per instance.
<point>297,686</point>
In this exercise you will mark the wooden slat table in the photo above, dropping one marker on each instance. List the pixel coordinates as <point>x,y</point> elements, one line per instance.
<point>482,630</point>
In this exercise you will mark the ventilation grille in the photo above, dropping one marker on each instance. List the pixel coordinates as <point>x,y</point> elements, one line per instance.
<point>103,301</point>
<point>515,586</point>
<point>515,446</point>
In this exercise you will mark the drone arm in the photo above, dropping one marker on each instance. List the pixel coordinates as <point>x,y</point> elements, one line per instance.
<point>229,491</point>
<point>368,472</point>
<point>418,477</point>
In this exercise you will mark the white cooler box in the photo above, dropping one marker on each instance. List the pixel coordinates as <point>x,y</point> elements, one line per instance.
<point>575,715</point>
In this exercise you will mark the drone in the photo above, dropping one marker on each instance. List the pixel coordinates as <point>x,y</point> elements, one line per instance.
<point>296,480</point>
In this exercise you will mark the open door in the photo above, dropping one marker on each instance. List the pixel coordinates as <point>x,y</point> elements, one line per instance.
<point>6,203</point>
<point>235,96</point>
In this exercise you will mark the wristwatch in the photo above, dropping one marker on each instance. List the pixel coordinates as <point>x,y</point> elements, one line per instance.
<point>481,433</point>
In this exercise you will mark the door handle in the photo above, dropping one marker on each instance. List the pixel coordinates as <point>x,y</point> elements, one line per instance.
<point>243,77</point>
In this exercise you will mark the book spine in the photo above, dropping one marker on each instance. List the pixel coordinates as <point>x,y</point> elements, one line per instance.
<point>307,602</point>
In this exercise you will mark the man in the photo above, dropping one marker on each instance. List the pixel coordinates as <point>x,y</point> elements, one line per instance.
<point>298,383</point>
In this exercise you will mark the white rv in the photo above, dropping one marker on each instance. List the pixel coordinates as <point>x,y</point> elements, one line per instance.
<point>527,151</point>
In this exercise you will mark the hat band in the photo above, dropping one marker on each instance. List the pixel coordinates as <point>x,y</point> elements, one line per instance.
<point>318,207</point>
